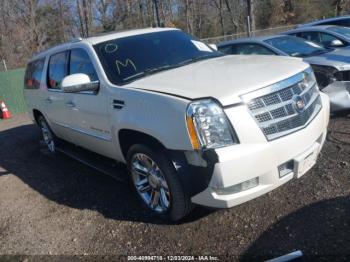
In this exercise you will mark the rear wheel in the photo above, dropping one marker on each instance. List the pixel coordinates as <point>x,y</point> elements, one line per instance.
<point>47,134</point>
<point>156,183</point>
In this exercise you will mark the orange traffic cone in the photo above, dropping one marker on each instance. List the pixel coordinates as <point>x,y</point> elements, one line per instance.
<point>5,113</point>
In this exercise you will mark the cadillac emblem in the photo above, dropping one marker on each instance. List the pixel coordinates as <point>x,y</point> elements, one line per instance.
<point>299,103</point>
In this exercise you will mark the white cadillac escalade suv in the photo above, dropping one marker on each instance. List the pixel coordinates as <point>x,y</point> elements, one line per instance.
<point>192,125</point>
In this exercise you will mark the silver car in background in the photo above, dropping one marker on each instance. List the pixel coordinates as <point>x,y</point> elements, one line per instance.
<point>331,66</point>
<point>340,21</point>
<point>328,36</point>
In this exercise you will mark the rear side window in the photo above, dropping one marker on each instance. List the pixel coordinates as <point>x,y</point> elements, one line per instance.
<point>311,36</point>
<point>251,49</point>
<point>343,22</point>
<point>58,69</point>
<point>80,63</point>
<point>226,49</point>
<point>34,73</point>
<point>326,39</point>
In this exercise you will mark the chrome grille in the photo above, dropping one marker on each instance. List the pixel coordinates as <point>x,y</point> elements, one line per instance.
<point>277,112</point>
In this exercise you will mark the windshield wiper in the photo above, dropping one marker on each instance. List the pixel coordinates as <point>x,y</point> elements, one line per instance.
<point>167,67</point>
<point>150,71</point>
<point>199,58</point>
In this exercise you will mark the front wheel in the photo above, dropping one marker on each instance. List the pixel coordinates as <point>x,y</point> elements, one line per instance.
<point>48,136</point>
<point>156,183</point>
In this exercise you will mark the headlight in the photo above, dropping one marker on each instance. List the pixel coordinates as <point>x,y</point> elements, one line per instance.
<point>208,126</point>
<point>309,78</point>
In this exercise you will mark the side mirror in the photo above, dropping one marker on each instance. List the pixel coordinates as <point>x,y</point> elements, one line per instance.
<point>79,83</point>
<point>214,46</point>
<point>336,43</point>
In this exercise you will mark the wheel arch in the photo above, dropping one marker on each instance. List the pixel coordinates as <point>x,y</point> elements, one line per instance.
<point>36,114</point>
<point>129,137</point>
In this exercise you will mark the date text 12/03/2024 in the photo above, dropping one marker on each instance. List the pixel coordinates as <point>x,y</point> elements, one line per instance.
<point>173,258</point>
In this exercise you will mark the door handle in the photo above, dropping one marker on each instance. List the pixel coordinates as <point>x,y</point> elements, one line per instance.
<point>48,100</point>
<point>70,104</point>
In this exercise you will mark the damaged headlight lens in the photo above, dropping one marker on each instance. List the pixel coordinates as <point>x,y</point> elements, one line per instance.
<point>208,125</point>
<point>309,79</point>
<point>325,75</point>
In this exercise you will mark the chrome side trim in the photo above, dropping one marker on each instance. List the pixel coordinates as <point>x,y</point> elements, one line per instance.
<point>80,93</point>
<point>83,132</point>
<point>95,83</point>
<point>55,90</point>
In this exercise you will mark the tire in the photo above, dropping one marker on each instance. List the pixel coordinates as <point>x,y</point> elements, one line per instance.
<point>48,136</point>
<point>147,177</point>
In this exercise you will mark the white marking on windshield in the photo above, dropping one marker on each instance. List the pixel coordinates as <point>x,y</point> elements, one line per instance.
<point>111,48</point>
<point>201,46</point>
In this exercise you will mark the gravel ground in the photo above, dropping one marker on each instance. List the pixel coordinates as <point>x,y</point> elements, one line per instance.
<point>55,205</point>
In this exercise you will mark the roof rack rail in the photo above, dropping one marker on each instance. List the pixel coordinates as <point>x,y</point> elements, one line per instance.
<point>78,39</point>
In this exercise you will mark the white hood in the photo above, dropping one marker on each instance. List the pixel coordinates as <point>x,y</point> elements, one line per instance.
<point>223,78</point>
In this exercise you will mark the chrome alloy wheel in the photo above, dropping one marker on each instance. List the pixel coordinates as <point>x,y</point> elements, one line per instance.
<point>150,183</point>
<point>47,136</point>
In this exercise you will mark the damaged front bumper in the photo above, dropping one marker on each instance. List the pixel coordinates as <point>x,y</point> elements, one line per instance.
<point>339,95</point>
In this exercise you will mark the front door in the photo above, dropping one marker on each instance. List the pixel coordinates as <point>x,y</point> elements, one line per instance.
<point>87,112</point>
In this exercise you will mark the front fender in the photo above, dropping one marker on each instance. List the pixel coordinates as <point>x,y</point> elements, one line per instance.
<point>158,115</point>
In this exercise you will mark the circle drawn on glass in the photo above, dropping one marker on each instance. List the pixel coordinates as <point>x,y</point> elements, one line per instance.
<point>111,48</point>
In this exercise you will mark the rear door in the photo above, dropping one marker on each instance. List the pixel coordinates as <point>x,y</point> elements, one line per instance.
<point>54,101</point>
<point>33,79</point>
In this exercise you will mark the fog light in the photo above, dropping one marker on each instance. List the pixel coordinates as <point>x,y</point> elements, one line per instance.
<point>286,168</point>
<point>239,187</point>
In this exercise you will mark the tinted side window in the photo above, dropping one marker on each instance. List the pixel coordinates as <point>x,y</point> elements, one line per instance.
<point>311,36</point>
<point>226,49</point>
<point>345,22</point>
<point>58,69</point>
<point>326,39</point>
<point>296,34</point>
<point>251,49</point>
<point>34,74</point>
<point>80,63</point>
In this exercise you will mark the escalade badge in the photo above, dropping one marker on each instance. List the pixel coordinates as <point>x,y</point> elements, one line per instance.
<point>299,103</point>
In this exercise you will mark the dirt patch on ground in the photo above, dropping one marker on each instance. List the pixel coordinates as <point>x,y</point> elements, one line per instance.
<point>55,205</point>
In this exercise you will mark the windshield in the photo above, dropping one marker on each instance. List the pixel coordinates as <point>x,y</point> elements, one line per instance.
<point>345,31</point>
<point>295,46</point>
<point>130,58</point>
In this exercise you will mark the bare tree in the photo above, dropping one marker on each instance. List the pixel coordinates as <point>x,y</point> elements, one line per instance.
<point>28,26</point>
<point>232,16</point>
<point>219,7</point>
<point>338,4</point>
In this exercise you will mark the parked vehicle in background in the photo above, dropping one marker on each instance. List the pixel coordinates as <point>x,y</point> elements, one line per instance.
<point>340,21</point>
<point>331,67</point>
<point>187,121</point>
<point>328,36</point>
